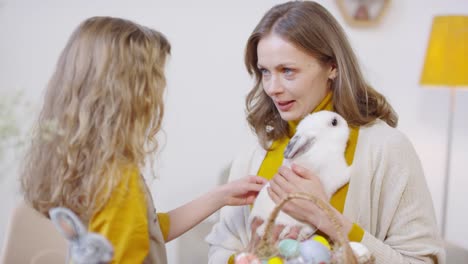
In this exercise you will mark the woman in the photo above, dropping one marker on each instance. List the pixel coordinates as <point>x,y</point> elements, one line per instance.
<point>302,63</point>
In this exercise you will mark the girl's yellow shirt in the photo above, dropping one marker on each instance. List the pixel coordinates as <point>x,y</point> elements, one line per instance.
<point>124,220</point>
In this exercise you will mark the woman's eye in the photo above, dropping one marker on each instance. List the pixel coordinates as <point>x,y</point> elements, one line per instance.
<point>288,72</point>
<point>263,71</point>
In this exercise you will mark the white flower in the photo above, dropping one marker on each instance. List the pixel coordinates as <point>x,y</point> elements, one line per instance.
<point>14,112</point>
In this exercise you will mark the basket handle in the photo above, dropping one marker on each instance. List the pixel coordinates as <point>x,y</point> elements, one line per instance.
<point>265,247</point>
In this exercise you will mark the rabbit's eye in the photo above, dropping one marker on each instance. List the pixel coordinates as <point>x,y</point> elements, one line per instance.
<point>334,122</point>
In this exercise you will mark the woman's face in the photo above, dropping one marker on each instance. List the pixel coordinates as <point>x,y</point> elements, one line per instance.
<point>295,81</point>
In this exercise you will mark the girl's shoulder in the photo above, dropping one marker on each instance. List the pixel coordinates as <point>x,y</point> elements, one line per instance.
<point>130,171</point>
<point>129,183</point>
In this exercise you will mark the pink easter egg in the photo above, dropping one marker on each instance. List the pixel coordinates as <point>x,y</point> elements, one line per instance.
<point>246,258</point>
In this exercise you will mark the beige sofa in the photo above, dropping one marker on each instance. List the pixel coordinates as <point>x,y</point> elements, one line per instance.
<point>32,239</point>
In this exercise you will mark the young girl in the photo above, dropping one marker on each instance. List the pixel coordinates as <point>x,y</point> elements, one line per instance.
<point>104,105</point>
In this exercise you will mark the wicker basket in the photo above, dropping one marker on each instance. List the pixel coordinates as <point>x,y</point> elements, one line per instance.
<point>341,250</point>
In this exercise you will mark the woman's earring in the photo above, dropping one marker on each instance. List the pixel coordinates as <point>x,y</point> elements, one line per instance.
<point>269,128</point>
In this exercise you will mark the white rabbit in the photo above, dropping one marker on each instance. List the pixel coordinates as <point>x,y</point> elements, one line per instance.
<point>319,145</point>
<point>85,247</point>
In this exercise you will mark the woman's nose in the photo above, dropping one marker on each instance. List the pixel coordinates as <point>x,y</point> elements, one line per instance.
<point>273,86</point>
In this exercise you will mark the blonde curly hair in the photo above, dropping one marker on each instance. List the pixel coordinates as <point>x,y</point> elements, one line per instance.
<point>106,97</point>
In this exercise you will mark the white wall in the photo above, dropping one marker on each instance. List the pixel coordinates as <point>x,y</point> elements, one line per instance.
<point>204,125</point>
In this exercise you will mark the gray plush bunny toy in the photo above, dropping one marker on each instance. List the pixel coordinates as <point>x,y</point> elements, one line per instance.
<point>85,247</point>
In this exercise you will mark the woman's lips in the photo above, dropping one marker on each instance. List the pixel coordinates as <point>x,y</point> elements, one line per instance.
<point>285,105</point>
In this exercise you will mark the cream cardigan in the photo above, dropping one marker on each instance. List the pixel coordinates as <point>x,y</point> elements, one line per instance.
<point>387,196</point>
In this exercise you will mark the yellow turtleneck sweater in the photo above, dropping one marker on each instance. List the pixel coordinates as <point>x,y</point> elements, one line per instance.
<point>274,159</point>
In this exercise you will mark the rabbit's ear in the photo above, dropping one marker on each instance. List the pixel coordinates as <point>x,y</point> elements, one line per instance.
<point>67,223</point>
<point>297,146</point>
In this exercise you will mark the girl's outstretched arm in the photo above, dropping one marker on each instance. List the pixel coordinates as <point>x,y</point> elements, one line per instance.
<point>239,192</point>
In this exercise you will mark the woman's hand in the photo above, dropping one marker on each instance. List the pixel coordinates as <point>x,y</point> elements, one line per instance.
<point>242,191</point>
<point>299,179</point>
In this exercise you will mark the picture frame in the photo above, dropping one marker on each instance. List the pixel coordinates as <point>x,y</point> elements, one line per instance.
<point>363,13</point>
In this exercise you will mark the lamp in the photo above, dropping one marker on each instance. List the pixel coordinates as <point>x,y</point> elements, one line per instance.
<point>446,65</point>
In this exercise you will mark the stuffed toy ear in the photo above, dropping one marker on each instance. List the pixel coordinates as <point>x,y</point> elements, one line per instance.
<point>85,248</point>
<point>67,223</point>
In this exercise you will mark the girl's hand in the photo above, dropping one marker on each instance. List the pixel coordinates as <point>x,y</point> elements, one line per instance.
<point>242,191</point>
<point>299,179</point>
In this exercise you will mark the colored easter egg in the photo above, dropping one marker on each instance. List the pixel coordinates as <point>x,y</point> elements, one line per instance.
<point>246,258</point>
<point>361,252</point>
<point>275,260</point>
<point>298,260</point>
<point>316,251</point>
<point>321,240</point>
<point>288,248</point>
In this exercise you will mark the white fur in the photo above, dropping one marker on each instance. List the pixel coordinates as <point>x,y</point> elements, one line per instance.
<point>318,146</point>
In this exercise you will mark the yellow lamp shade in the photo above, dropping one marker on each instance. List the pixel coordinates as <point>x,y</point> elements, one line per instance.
<point>446,61</point>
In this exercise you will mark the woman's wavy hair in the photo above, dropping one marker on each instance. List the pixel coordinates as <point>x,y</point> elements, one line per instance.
<point>310,27</point>
<point>106,101</point>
